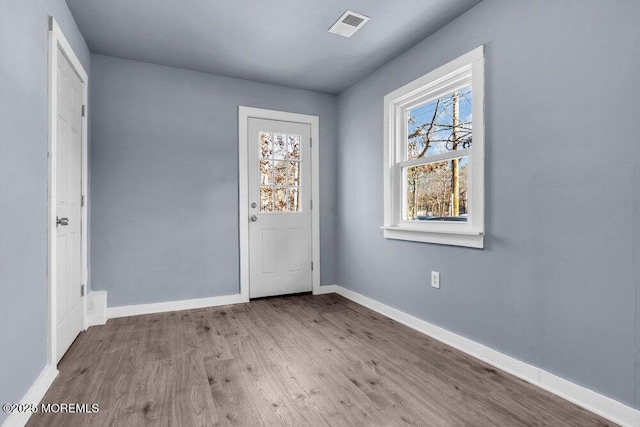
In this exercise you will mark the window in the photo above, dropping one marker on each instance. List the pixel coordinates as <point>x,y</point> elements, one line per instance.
<point>434,156</point>
<point>280,164</point>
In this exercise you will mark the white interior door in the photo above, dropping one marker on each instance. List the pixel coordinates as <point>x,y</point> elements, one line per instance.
<point>68,205</point>
<point>280,236</point>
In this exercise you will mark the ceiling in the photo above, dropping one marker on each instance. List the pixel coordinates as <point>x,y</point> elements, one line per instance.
<point>282,42</point>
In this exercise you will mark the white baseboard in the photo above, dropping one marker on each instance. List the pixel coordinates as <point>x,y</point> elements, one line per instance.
<point>33,397</point>
<point>581,396</point>
<point>96,308</point>
<point>162,307</point>
<point>326,289</point>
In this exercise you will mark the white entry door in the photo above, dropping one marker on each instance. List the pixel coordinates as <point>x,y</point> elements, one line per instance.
<point>279,207</point>
<point>68,206</point>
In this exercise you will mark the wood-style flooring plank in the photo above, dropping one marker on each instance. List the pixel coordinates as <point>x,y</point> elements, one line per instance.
<point>292,361</point>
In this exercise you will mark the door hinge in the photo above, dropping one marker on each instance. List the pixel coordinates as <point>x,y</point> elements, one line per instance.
<point>81,290</point>
<point>311,265</point>
<point>82,201</point>
<point>84,110</point>
<point>311,204</point>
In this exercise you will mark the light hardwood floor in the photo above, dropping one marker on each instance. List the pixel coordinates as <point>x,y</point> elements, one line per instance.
<point>299,360</point>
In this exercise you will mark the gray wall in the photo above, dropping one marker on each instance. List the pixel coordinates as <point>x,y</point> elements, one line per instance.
<point>557,282</point>
<point>164,178</point>
<point>23,186</point>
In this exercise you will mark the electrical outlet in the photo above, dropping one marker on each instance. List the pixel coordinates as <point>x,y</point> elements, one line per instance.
<point>435,279</point>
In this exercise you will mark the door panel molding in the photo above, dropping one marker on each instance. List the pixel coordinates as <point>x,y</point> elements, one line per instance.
<point>57,40</point>
<point>244,114</point>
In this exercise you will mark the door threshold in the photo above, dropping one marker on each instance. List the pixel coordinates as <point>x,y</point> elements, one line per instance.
<point>281,296</point>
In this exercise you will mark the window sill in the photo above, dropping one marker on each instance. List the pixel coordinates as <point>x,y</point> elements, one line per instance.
<point>470,239</point>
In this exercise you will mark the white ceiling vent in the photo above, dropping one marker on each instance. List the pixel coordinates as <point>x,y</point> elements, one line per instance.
<point>348,24</point>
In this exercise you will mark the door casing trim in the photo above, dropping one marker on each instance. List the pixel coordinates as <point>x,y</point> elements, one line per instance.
<point>244,114</point>
<point>57,39</point>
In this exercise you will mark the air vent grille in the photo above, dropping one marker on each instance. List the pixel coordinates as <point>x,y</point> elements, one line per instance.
<point>348,24</point>
<point>352,20</point>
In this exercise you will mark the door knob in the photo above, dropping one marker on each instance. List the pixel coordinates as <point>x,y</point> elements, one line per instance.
<point>254,218</point>
<point>254,205</point>
<point>62,221</point>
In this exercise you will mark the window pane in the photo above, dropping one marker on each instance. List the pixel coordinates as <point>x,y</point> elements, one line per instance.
<point>266,199</point>
<point>294,201</point>
<point>280,173</point>
<point>440,126</point>
<point>294,173</point>
<point>280,199</point>
<point>293,147</point>
<point>266,145</point>
<point>437,191</point>
<point>279,146</point>
<point>266,172</point>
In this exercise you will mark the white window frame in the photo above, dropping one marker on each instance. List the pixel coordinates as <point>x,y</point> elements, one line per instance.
<point>465,70</point>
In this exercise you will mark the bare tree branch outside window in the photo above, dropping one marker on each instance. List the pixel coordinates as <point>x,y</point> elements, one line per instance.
<point>438,190</point>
